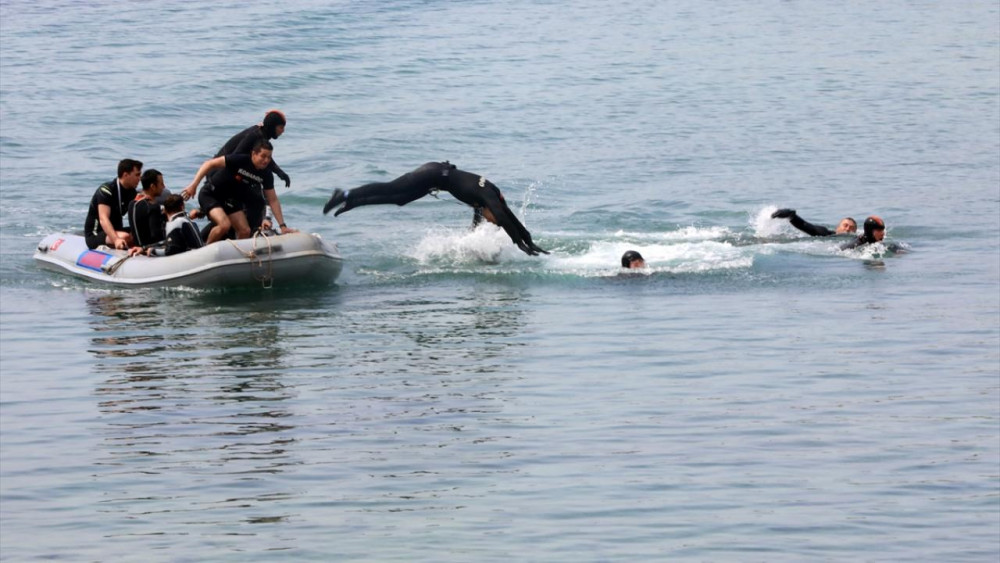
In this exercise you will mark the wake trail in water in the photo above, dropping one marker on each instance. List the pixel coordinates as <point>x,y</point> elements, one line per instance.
<point>685,250</point>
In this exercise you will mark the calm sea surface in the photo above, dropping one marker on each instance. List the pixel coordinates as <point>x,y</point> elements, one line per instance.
<point>755,395</point>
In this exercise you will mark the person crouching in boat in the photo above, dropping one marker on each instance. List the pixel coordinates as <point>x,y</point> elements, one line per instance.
<point>236,179</point>
<point>182,233</point>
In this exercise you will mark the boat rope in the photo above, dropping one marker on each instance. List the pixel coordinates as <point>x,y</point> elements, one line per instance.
<point>266,277</point>
<point>114,267</point>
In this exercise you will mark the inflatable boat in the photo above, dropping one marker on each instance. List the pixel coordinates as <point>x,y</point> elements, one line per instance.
<point>266,261</point>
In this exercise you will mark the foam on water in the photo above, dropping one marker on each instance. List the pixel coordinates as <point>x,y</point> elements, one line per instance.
<point>688,250</point>
<point>484,244</point>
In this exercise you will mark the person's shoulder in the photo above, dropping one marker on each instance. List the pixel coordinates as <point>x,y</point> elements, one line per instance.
<point>852,244</point>
<point>251,133</point>
<point>105,190</point>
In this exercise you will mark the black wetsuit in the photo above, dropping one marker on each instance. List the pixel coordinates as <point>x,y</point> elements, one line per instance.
<point>864,239</point>
<point>234,187</point>
<point>255,205</point>
<point>860,241</point>
<point>471,189</point>
<point>244,142</point>
<point>810,229</point>
<point>147,221</point>
<point>117,198</point>
<point>182,235</point>
<point>803,225</point>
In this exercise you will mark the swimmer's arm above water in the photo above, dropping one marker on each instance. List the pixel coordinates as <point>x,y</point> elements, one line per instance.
<point>801,224</point>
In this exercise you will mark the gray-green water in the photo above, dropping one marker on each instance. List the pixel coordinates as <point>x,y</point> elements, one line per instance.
<point>754,396</point>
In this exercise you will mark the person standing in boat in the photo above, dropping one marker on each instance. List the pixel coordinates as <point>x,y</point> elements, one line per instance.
<point>236,178</point>
<point>272,127</point>
<point>105,222</point>
<point>182,233</point>
<point>145,215</point>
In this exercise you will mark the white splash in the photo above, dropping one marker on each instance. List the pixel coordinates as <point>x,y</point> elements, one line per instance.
<point>690,233</point>
<point>764,226</point>
<point>486,243</point>
<point>603,258</point>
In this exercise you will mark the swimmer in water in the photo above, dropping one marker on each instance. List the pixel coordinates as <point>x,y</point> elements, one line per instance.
<point>471,189</point>
<point>846,226</point>
<point>874,232</point>
<point>632,259</point>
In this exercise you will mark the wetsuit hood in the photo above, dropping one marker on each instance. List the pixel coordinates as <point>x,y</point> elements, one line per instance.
<point>629,256</point>
<point>272,120</point>
<point>872,224</point>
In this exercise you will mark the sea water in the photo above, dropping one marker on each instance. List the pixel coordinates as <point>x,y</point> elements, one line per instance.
<point>752,395</point>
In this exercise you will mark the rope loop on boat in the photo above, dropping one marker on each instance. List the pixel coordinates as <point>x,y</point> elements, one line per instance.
<point>266,277</point>
<point>110,270</point>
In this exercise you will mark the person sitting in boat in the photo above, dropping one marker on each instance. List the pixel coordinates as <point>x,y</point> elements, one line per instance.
<point>145,214</point>
<point>846,226</point>
<point>471,189</point>
<point>236,178</point>
<point>108,207</point>
<point>182,233</point>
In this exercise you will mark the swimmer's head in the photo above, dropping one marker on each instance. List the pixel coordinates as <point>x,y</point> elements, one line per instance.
<point>847,225</point>
<point>874,228</point>
<point>274,124</point>
<point>633,259</point>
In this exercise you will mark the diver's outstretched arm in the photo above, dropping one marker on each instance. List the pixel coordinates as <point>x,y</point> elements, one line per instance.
<point>486,195</point>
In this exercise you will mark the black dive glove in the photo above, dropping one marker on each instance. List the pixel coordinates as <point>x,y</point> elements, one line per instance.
<point>783,214</point>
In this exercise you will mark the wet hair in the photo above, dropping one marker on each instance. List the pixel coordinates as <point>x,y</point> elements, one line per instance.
<point>272,120</point>
<point>149,178</point>
<point>629,257</point>
<point>872,224</point>
<point>262,144</point>
<point>128,165</point>
<point>173,203</point>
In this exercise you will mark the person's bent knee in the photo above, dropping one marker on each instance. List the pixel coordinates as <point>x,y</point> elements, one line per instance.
<point>224,224</point>
<point>243,231</point>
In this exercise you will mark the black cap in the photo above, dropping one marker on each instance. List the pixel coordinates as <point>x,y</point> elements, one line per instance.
<point>629,257</point>
<point>872,224</point>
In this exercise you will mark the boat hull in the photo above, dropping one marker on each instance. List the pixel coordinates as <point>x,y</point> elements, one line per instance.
<point>280,260</point>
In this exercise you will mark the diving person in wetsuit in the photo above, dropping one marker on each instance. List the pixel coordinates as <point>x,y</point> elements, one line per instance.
<point>874,232</point>
<point>847,225</point>
<point>471,189</point>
